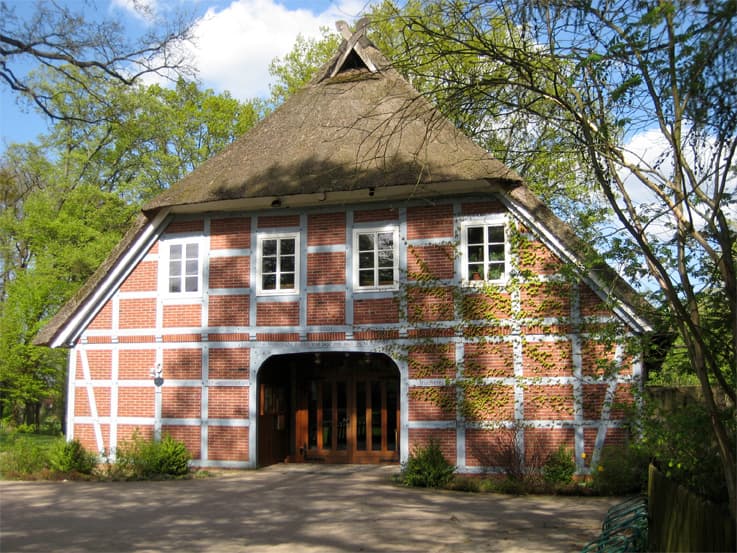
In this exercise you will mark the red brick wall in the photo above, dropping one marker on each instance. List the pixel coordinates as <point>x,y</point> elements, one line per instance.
<point>182,315</point>
<point>183,364</point>
<point>277,313</point>
<point>434,262</point>
<point>375,311</point>
<point>232,233</point>
<point>228,310</point>
<point>546,299</point>
<point>82,401</point>
<point>136,401</point>
<point>229,363</point>
<point>432,403</point>
<point>180,402</point>
<point>535,257</point>
<point>549,402</point>
<point>547,359</point>
<point>433,304</point>
<point>229,272</point>
<point>276,221</point>
<point>135,364</point>
<point>489,402</point>
<point>325,229</point>
<point>375,215</point>
<point>430,222</point>
<point>432,361</point>
<point>142,279</point>
<point>197,225</point>
<point>137,313</point>
<point>490,447</point>
<point>325,268</point>
<point>483,208</point>
<point>327,308</point>
<point>487,359</point>
<point>100,364</point>
<point>227,402</point>
<point>227,443</point>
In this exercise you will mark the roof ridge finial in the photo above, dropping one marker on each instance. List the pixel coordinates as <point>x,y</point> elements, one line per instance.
<point>353,39</point>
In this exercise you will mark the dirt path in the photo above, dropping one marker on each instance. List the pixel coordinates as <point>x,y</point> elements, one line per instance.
<point>287,508</point>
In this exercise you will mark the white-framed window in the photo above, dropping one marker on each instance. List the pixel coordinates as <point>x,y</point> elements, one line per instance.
<point>375,258</point>
<point>278,264</point>
<point>182,262</point>
<point>485,252</point>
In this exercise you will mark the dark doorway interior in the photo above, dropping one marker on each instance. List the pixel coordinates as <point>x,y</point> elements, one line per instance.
<point>328,407</point>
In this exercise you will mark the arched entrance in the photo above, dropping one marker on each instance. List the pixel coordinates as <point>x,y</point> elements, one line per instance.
<point>332,407</point>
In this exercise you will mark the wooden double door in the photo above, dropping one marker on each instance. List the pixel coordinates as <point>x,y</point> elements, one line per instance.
<point>349,417</point>
<point>333,409</point>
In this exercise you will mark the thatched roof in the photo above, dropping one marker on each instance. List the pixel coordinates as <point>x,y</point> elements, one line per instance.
<point>358,125</point>
<point>350,128</point>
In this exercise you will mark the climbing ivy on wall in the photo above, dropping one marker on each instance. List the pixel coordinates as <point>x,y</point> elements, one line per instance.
<point>538,298</point>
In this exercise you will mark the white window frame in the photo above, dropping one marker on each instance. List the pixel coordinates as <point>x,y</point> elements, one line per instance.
<point>489,221</point>
<point>297,254</point>
<point>164,264</point>
<point>357,232</point>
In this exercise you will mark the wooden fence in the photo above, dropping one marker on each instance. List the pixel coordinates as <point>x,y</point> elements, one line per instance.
<point>683,521</point>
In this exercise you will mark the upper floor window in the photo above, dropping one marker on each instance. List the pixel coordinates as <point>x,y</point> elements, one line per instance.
<point>375,258</point>
<point>484,252</point>
<point>279,264</point>
<point>182,261</point>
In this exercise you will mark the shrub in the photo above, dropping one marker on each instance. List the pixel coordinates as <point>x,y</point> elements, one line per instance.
<point>71,457</point>
<point>142,458</point>
<point>22,456</point>
<point>559,467</point>
<point>427,468</point>
<point>621,470</point>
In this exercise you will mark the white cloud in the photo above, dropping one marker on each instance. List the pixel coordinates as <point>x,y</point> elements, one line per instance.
<point>234,46</point>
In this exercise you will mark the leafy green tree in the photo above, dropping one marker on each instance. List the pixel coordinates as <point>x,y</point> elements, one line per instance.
<point>616,70</point>
<point>68,200</point>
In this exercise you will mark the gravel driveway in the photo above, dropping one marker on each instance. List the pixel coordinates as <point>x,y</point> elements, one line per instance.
<point>287,508</point>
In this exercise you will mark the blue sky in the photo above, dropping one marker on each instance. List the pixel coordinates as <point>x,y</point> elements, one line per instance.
<point>235,42</point>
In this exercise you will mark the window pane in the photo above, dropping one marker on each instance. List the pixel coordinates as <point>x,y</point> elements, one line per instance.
<point>268,282</point>
<point>366,278</point>
<point>268,265</point>
<point>475,235</point>
<point>386,277</point>
<point>287,263</point>
<point>191,251</point>
<point>475,271</point>
<point>175,251</point>
<point>191,267</point>
<point>190,284</point>
<point>365,260</point>
<point>496,252</point>
<point>365,242</point>
<point>287,246</point>
<point>386,259</point>
<point>386,240</point>
<point>175,268</point>
<point>286,281</point>
<point>475,253</point>
<point>495,234</point>
<point>268,247</point>
<point>496,271</point>
<point>175,285</point>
